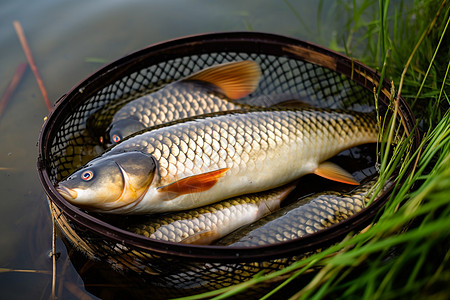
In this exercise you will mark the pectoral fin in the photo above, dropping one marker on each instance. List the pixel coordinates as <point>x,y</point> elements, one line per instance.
<point>273,203</point>
<point>205,237</point>
<point>332,171</point>
<point>192,184</point>
<point>235,79</point>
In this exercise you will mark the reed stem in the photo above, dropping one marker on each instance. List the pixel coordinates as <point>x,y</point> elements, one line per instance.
<point>26,49</point>
<point>12,86</point>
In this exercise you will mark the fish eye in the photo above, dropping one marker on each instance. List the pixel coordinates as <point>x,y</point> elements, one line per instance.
<point>87,175</point>
<point>116,138</point>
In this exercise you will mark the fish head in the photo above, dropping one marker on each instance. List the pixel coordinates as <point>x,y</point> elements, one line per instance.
<point>110,182</point>
<point>120,129</point>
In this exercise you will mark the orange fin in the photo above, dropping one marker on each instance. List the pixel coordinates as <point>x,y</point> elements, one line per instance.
<point>332,171</point>
<point>202,238</point>
<point>192,184</point>
<point>235,79</point>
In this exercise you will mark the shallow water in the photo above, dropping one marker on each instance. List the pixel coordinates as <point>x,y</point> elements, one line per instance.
<point>70,40</point>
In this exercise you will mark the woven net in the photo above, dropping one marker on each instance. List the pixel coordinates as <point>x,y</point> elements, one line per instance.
<point>291,68</point>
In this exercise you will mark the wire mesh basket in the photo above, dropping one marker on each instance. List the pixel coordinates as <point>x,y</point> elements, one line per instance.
<point>314,75</point>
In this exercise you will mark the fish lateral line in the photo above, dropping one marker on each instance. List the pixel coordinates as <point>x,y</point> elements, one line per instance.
<point>192,184</point>
<point>334,172</point>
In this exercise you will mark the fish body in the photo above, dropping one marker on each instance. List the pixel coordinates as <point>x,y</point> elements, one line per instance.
<point>211,90</point>
<point>303,217</point>
<point>206,159</point>
<point>208,223</point>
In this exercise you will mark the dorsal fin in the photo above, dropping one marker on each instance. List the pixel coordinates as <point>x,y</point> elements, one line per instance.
<point>235,79</point>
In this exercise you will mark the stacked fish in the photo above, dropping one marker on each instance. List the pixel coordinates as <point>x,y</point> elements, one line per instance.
<point>208,165</point>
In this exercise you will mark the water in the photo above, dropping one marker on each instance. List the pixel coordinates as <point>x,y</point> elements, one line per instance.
<point>70,40</point>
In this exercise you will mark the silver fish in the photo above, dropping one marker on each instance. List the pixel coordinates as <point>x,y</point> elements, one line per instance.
<point>211,90</point>
<point>202,160</point>
<point>206,224</point>
<point>303,217</point>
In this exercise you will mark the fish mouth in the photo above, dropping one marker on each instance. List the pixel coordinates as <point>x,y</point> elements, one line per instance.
<point>67,193</point>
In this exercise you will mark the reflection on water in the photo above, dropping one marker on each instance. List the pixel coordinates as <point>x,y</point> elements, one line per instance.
<point>70,40</point>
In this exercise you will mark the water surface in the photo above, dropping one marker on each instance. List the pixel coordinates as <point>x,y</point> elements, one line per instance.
<point>70,40</point>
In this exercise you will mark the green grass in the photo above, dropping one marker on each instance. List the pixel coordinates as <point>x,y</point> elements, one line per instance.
<point>405,254</point>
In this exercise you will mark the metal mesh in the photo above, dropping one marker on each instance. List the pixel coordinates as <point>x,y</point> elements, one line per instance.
<point>68,143</point>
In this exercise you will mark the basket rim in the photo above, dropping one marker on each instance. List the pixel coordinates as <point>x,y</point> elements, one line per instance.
<point>215,253</point>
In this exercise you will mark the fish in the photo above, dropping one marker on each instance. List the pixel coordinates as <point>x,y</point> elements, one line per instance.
<point>205,159</point>
<point>206,224</point>
<point>302,217</point>
<point>210,90</point>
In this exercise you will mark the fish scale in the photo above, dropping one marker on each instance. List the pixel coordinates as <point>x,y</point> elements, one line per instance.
<point>301,218</point>
<point>170,104</point>
<point>205,224</point>
<point>200,160</point>
<point>215,88</point>
<point>291,143</point>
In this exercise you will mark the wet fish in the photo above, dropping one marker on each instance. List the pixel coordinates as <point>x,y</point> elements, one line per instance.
<point>306,216</point>
<point>210,90</point>
<point>208,223</point>
<point>202,160</point>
